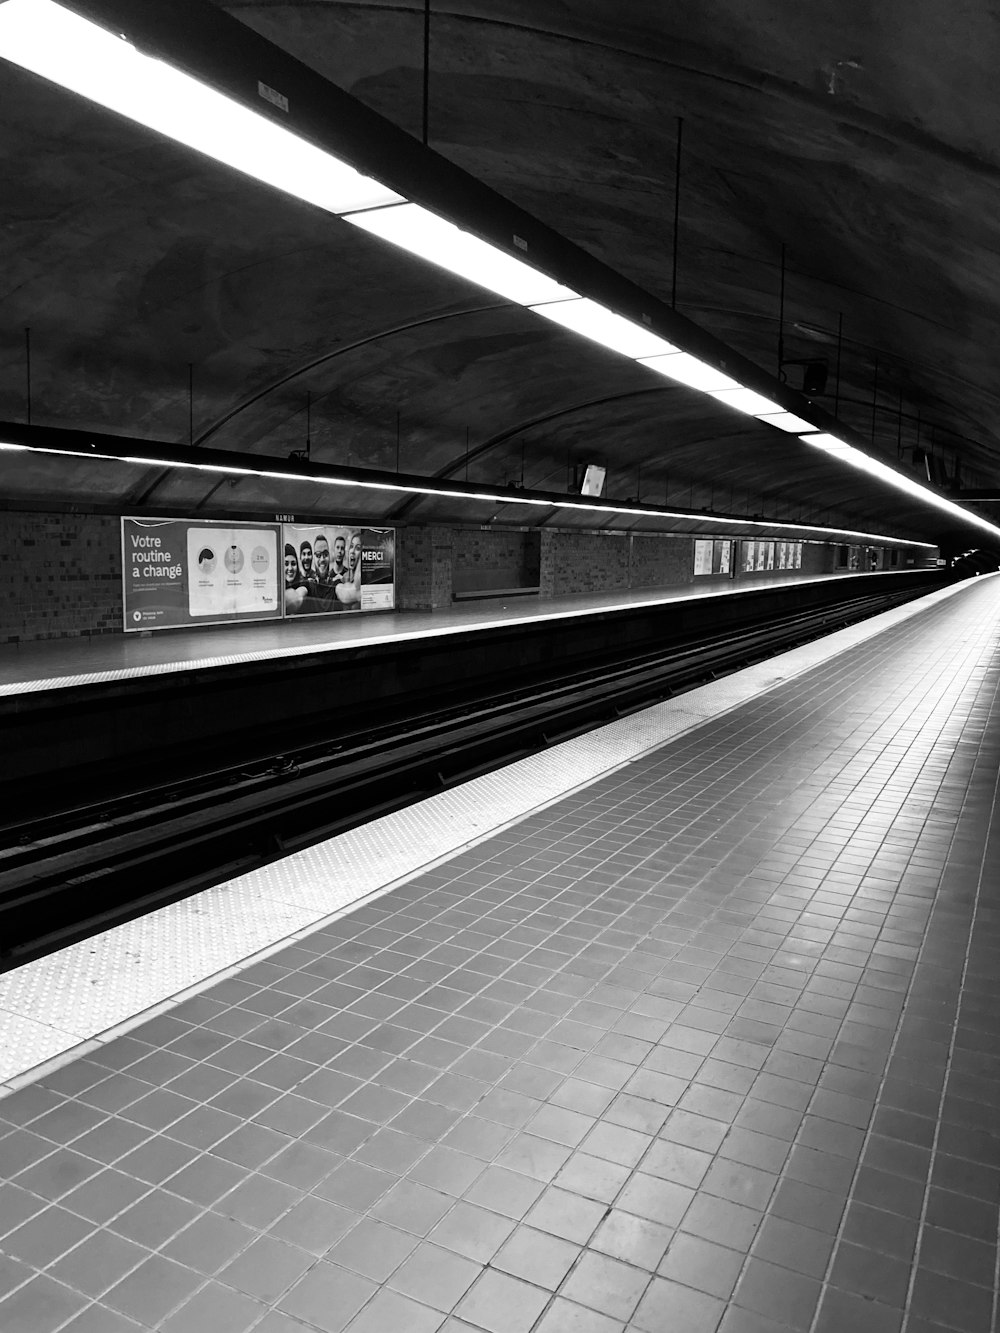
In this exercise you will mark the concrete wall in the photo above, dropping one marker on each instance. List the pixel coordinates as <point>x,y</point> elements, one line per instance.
<point>60,575</point>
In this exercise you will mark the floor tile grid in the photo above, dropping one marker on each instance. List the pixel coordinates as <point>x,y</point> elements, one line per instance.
<point>982,947</point>
<point>49,1008</point>
<point>884,753</point>
<point>377,916</point>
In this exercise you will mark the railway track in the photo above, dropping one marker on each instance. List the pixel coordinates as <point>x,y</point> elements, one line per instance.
<point>74,869</point>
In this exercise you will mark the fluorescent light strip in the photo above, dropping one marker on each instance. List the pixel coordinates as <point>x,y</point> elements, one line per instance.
<point>603,326</point>
<point>787,421</point>
<point>687,369</point>
<point>831,444</point>
<point>440,242</point>
<point>493,498</point>
<point>745,400</point>
<point>59,45</point>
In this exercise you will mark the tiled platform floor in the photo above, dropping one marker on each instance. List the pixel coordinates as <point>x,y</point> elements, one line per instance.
<point>709,1044</point>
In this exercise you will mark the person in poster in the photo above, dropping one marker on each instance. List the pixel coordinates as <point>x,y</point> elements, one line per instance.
<point>296,586</point>
<point>321,558</point>
<point>348,590</point>
<point>339,571</point>
<point>321,585</point>
<point>306,562</point>
<point>339,568</point>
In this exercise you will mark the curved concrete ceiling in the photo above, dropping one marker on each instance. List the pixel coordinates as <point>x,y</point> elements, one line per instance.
<point>844,134</point>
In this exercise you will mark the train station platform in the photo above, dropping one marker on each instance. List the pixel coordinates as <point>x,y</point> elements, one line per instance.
<point>67,663</point>
<point>689,1023</point>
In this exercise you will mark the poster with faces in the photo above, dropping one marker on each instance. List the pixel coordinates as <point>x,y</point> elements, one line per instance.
<point>332,567</point>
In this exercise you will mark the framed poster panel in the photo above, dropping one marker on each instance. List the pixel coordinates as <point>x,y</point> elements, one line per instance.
<point>702,556</point>
<point>179,572</point>
<point>330,567</point>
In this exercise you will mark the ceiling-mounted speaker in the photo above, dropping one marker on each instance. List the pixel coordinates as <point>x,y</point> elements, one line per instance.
<point>814,377</point>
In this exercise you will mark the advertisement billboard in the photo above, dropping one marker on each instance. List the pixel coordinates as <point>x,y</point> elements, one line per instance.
<point>713,556</point>
<point>332,567</point>
<point>176,572</point>
<point>181,572</point>
<point>378,578</point>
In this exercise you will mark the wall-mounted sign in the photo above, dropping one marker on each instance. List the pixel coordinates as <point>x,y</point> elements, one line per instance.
<point>332,567</point>
<point>713,556</point>
<point>178,572</point>
<point>702,557</point>
<point>766,555</point>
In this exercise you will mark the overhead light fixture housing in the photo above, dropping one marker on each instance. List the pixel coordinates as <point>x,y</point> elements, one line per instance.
<point>440,242</point>
<point>603,326</point>
<point>745,400</point>
<point>60,45</point>
<point>687,369</point>
<point>787,421</point>
<point>874,467</point>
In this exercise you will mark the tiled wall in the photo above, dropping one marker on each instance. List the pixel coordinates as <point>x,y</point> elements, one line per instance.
<point>423,568</point>
<point>60,575</point>
<point>659,562</point>
<point>582,562</point>
<point>494,558</point>
<point>817,559</point>
<point>61,578</point>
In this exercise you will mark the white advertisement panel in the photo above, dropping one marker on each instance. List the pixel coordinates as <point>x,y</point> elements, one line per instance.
<point>702,557</point>
<point>176,572</point>
<point>231,571</point>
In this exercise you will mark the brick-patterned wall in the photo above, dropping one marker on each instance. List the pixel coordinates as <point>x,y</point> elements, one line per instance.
<point>582,562</point>
<point>493,559</point>
<point>423,568</point>
<point>414,568</point>
<point>442,566</point>
<point>662,562</point>
<point>60,574</point>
